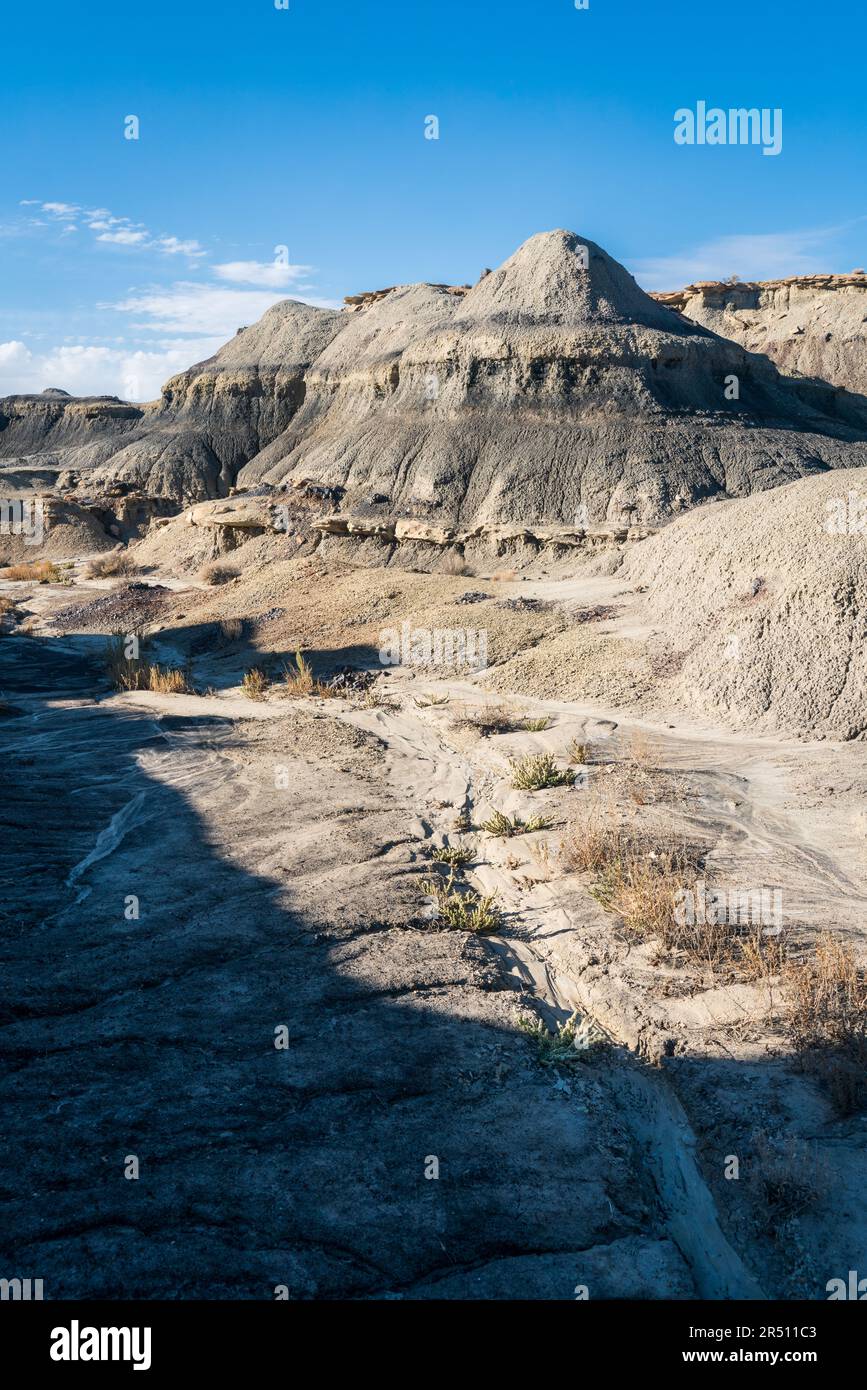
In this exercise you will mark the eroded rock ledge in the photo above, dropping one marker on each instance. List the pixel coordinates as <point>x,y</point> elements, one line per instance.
<point>262,514</point>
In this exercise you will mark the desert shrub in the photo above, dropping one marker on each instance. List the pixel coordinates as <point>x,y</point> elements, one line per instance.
<point>536,726</point>
<point>787,1174</point>
<point>461,908</point>
<point>454,563</point>
<point>230,629</point>
<point>117,562</point>
<point>488,719</point>
<point>538,771</point>
<point>255,684</point>
<point>504,827</point>
<point>827,1020</point>
<point>42,571</point>
<point>218,572</point>
<point>456,856</point>
<point>569,1044</point>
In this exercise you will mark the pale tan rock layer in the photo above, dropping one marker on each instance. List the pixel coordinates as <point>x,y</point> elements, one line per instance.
<point>814,325</point>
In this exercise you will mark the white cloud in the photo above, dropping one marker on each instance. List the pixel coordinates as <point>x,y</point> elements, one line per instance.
<point>124,237</point>
<point>88,370</point>
<point>765,256</point>
<point>14,354</point>
<point>61,209</point>
<point>268,273</point>
<point>187,307</point>
<point>117,231</point>
<point>173,247</point>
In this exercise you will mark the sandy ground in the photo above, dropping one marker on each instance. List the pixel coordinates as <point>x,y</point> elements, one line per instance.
<point>277,849</point>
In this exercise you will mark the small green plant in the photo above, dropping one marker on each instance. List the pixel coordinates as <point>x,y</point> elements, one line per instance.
<point>503,827</point>
<point>537,726</point>
<point>255,684</point>
<point>463,911</point>
<point>456,856</point>
<point>568,1045</point>
<point>539,771</point>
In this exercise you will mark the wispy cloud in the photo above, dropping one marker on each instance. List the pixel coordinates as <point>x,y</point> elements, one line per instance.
<point>761,256</point>
<point>125,237</point>
<point>158,329</point>
<point>112,230</point>
<point>189,307</point>
<point>272,274</point>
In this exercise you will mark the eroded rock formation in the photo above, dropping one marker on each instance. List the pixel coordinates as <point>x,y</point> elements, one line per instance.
<point>555,392</point>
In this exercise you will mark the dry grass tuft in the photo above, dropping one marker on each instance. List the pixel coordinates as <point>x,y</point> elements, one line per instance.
<point>642,879</point>
<point>7,609</point>
<point>217,572</point>
<point>134,673</point>
<point>788,1174</point>
<point>454,563</point>
<point>42,571</point>
<point>255,684</point>
<point>230,629</point>
<point>827,1020</point>
<point>300,681</point>
<point>117,562</point>
<point>489,719</point>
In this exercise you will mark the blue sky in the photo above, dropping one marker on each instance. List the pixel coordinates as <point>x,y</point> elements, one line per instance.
<point>124,260</point>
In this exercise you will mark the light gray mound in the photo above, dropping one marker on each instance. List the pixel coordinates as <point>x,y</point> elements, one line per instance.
<point>554,390</point>
<point>767,597</point>
<point>549,389</point>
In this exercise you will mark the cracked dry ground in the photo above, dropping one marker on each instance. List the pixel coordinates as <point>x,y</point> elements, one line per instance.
<point>259,907</point>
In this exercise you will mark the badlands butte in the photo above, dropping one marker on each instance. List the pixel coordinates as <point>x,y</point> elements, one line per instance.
<point>396,972</point>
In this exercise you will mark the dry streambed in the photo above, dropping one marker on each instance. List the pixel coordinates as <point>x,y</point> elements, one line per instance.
<point>721,1086</point>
